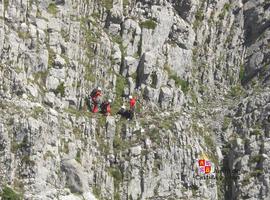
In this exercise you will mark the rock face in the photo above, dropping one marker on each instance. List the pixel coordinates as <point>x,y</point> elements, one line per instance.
<point>199,69</point>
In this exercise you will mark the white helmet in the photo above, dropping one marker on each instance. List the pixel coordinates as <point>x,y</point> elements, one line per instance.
<point>123,107</point>
<point>99,88</point>
<point>110,101</point>
<point>130,97</point>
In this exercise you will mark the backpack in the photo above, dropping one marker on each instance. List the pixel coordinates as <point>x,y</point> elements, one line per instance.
<point>103,107</point>
<point>93,93</point>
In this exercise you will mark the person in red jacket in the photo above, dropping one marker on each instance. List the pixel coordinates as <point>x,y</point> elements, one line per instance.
<point>132,103</point>
<point>95,94</point>
<point>106,107</point>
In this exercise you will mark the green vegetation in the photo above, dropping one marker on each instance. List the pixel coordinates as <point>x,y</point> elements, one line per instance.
<point>41,76</point>
<point>60,89</point>
<point>77,133</point>
<point>26,159</point>
<point>194,190</point>
<point>23,35</point>
<point>236,91</point>
<point>211,148</point>
<point>116,173</point>
<point>148,24</point>
<point>226,123</point>
<point>65,35</point>
<point>154,135</point>
<point>51,57</point>
<point>37,111</point>
<point>89,75</point>
<point>178,81</point>
<point>6,2</point>
<point>10,121</point>
<point>242,73</point>
<point>15,147</point>
<point>103,147</point>
<point>119,144</point>
<point>256,173</point>
<point>154,80</point>
<point>78,156</point>
<point>52,9</point>
<point>256,159</point>
<point>117,196</point>
<point>121,82</point>
<point>117,39</point>
<point>47,155</point>
<point>225,9</point>
<point>97,192</point>
<point>246,180</point>
<point>125,3</point>
<point>220,186</point>
<point>166,123</point>
<point>256,132</point>
<point>199,17</point>
<point>108,4</point>
<point>91,37</point>
<point>64,146</point>
<point>78,113</point>
<point>96,15</point>
<point>157,166</point>
<point>209,142</point>
<point>10,194</point>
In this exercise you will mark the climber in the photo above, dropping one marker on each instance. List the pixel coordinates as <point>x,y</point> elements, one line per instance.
<point>122,110</point>
<point>128,114</point>
<point>106,107</point>
<point>95,95</point>
<point>132,102</point>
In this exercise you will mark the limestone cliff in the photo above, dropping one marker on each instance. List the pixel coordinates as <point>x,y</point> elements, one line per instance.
<point>200,69</point>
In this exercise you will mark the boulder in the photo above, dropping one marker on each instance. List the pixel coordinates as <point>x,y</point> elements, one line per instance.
<point>49,99</point>
<point>135,151</point>
<point>52,83</point>
<point>130,65</point>
<point>110,127</point>
<point>76,179</point>
<point>165,97</point>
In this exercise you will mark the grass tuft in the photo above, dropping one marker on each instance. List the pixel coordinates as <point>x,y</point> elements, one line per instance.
<point>148,24</point>
<point>10,194</point>
<point>52,9</point>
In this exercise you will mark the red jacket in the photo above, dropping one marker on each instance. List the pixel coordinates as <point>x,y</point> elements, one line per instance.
<point>132,102</point>
<point>108,109</point>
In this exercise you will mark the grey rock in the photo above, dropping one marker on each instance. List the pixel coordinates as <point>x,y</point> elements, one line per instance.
<point>49,99</point>
<point>131,65</point>
<point>76,180</point>
<point>165,97</point>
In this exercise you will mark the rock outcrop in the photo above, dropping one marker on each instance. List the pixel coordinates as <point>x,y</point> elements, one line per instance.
<point>200,71</point>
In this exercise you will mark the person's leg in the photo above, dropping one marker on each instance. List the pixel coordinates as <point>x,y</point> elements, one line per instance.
<point>95,108</point>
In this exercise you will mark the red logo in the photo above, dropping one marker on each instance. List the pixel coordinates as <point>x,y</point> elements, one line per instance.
<point>201,163</point>
<point>205,166</point>
<point>207,169</point>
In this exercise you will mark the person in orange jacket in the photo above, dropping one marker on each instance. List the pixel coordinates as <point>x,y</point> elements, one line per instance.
<point>132,103</point>
<point>95,94</point>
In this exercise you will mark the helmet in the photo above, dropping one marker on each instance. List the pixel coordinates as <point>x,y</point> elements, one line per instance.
<point>123,107</point>
<point>130,97</point>
<point>99,88</point>
<point>110,101</point>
